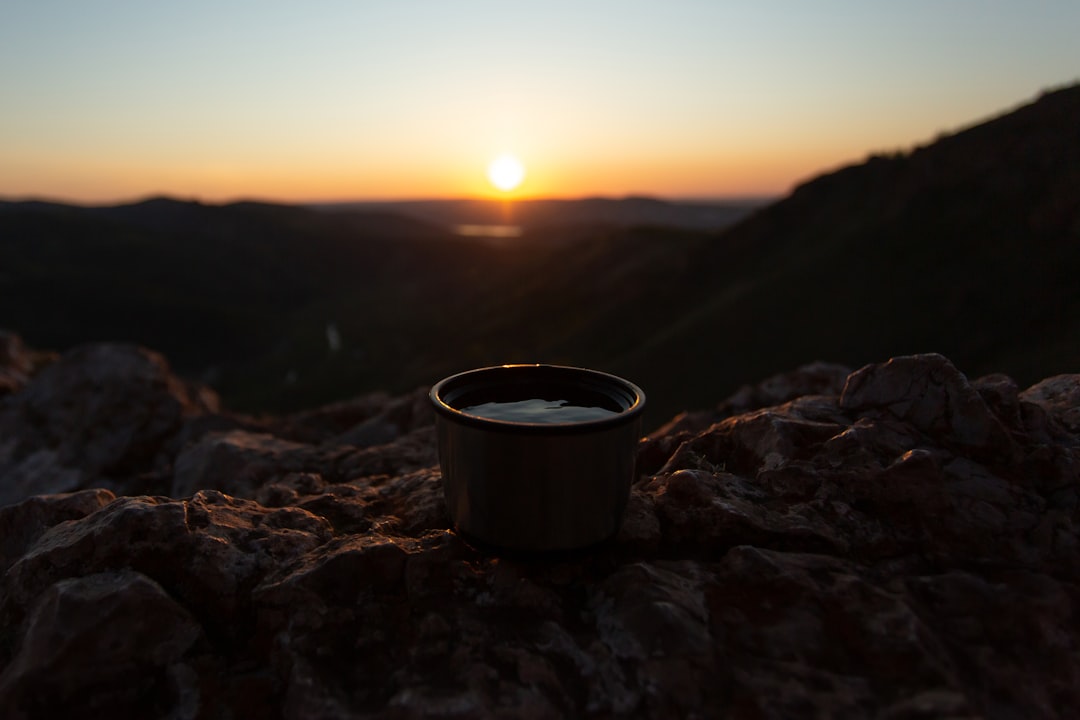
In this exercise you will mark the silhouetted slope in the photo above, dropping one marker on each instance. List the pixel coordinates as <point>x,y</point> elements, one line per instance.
<point>969,246</point>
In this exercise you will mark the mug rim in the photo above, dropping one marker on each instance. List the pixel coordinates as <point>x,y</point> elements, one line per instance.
<point>595,379</point>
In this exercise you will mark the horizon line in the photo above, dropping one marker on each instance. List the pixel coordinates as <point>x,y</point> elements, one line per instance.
<point>242,199</point>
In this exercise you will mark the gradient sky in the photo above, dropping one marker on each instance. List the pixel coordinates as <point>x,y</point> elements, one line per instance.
<point>104,100</point>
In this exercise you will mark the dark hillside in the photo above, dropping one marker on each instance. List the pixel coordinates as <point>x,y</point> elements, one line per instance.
<point>969,246</point>
<point>245,295</point>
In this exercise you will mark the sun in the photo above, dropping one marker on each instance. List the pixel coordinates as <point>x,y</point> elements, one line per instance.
<point>506,172</point>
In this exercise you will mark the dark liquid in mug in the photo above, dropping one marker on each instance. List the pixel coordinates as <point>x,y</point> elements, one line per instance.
<point>539,410</point>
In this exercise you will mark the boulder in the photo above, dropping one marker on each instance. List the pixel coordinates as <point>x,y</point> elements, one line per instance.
<point>100,416</point>
<point>900,542</point>
<point>113,642</point>
<point>1059,396</point>
<point>17,363</point>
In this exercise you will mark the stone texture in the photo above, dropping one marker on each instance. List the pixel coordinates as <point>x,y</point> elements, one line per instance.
<point>236,461</point>
<point>17,363</point>
<point>929,394</point>
<point>112,642</point>
<point>23,523</point>
<point>1059,396</point>
<point>897,542</point>
<point>99,416</point>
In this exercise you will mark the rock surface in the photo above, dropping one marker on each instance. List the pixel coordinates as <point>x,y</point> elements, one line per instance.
<point>898,541</point>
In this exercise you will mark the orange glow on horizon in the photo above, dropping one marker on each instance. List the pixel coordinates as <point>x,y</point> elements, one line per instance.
<point>553,172</point>
<point>352,103</point>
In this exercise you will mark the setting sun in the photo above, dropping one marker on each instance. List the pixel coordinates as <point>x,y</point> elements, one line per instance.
<point>506,172</point>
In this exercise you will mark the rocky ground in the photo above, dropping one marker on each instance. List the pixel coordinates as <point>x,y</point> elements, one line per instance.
<point>898,541</point>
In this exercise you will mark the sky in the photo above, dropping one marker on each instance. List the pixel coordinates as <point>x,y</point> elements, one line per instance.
<point>112,100</point>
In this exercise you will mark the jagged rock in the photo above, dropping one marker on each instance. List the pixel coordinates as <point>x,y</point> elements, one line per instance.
<point>931,395</point>
<point>23,523</point>
<point>818,378</point>
<point>236,462</point>
<point>408,453</point>
<point>38,472</point>
<point>112,642</point>
<point>1059,396</point>
<point>97,416</point>
<point>374,419</point>
<point>900,542</point>
<point>16,363</point>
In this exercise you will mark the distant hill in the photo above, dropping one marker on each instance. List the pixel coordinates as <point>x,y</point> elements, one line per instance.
<point>969,246</point>
<point>546,214</point>
<point>240,295</point>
